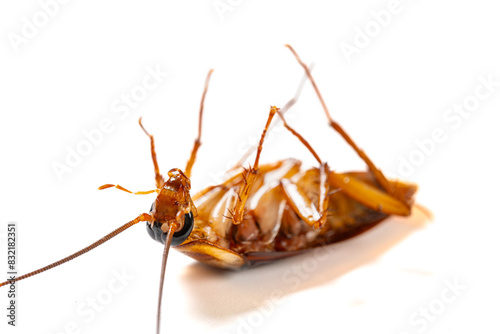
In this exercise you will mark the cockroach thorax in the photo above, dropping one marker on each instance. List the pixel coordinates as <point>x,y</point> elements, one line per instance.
<point>173,205</point>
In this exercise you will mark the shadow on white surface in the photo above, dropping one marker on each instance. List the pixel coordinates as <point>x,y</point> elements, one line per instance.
<point>224,295</point>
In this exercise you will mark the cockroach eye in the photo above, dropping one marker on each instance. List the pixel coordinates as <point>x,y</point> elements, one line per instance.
<point>178,238</point>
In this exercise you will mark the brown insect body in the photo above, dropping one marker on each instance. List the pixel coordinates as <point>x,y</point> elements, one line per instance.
<point>272,227</point>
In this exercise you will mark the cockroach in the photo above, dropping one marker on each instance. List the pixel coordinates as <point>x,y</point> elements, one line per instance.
<point>265,212</point>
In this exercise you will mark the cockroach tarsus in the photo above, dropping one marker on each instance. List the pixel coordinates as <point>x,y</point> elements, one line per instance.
<point>264,212</point>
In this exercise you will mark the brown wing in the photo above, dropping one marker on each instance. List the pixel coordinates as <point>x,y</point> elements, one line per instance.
<point>213,255</point>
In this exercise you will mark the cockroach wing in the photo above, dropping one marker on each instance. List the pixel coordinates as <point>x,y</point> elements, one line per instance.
<point>213,255</point>
<point>301,203</point>
<point>220,217</point>
<point>269,212</point>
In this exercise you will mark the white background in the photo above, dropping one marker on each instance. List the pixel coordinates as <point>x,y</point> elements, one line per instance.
<point>395,91</point>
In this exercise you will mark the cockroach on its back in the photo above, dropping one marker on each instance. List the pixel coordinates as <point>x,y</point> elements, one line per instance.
<point>266,212</point>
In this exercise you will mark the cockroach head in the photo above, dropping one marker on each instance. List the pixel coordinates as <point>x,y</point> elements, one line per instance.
<point>173,205</point>
<point>156,233</point>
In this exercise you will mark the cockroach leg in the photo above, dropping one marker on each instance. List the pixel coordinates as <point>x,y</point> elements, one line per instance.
<point>283,111</point>
<point>379,176</point>
<point>354,188</point>
<point>299,136</point>
<point>293,193</point>
<point>117,186</point>
<point>251,174</point>
<point>197,142</point>
<point>159,180</point>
